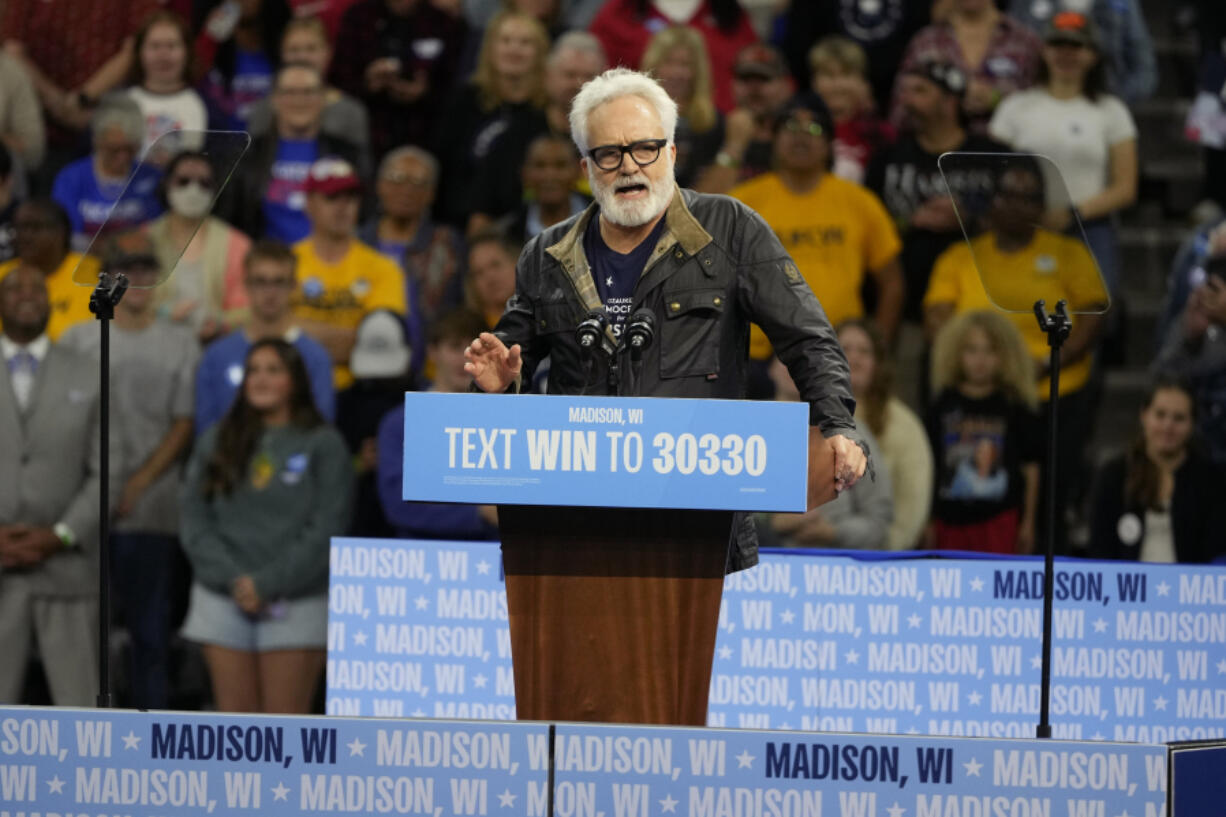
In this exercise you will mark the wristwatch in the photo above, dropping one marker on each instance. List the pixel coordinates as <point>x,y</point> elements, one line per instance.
<point>64,533</point>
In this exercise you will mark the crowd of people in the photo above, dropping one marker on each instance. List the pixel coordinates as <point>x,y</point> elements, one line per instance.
<point>401,154</point>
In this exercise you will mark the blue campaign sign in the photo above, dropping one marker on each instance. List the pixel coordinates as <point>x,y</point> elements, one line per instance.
<point>626,771</point>
<point>1197,771</point>
<point>952,647</point>
<point>418,628</point>
<point>78,761</point>
<point>823,642</point>
<point>608,451</point>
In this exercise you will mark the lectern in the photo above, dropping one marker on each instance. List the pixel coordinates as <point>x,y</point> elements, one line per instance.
<point>617,518</point>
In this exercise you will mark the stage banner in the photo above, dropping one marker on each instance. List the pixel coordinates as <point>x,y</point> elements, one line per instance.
<point>625,771</point>
<point>952,647</point>
<point>825,642</point>
<point>418,629</point>
<point>84,761</point>
<point>623,452</point>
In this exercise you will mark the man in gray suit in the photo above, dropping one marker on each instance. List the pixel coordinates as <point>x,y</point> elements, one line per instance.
<point>48,501</point>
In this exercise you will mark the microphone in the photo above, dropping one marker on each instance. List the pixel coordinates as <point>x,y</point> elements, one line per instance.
<point>640,332</point>
<point>589,332</point>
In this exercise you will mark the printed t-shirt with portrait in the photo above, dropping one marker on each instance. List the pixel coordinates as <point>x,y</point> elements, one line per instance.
<point>69,301</point>
<point>343,293</point>
<point>121,205</point>
<point>834,233</point>
<point>979,445</point>
<point>1051,267</point>
<point>285,217</point>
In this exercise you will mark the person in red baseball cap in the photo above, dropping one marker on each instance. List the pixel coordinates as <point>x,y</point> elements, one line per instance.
<point>340,279</point>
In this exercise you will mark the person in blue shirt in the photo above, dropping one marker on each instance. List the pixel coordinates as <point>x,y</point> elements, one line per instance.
<point>448,337</point>
<point>270,278</point>
<point>96,190</point>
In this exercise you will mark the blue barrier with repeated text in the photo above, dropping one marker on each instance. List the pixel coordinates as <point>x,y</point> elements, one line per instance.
<point>624,452</point>
<point>825,642</point>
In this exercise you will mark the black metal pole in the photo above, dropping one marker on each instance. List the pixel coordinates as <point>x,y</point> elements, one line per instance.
<point>104,513</point>
<point>1056,326</point>
<point>107,294</point>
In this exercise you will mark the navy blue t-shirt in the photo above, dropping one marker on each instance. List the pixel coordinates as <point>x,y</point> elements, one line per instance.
<point>285,215</point>
<point>616,274</point>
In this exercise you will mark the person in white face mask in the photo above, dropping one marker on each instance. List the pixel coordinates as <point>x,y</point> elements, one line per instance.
<point>205,288</point>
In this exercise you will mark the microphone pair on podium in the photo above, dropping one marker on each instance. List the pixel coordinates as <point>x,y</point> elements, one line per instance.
<point>640,331</point>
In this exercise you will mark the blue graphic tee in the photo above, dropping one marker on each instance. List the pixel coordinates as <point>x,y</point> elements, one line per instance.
<point>285,199</point>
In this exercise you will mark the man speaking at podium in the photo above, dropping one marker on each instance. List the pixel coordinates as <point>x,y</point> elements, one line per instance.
<point>683,275</point>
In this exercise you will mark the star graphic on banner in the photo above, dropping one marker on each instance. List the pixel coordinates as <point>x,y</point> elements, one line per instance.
<point>359,639</point>
<point>974,698</point>
<point>1160,703</point>
<point>851,657</point>
<point>479,681</point>
<point>1164,589</point>
<point>896,810</point>
<point>1037,662</point>
<point>1097,736</point>
<point>506,799</point>
<point>1100,625</point>
<point>280,792</point>
<point>483,567</point>
<point>914,620</point>
<point>972,767</point>
<point>608,281</point>
<point>912,731</point>
<point>784,726</point>
<point>668,804</point>
<point>56,785</point>
<point>725,652</point>
<point>131,741</point>
<point>786,616</point>
<point>422,603</point>
<point>744,760</point>
<point>1125,814</point>
<point>356,748</point>
<point>417,713</point>
<point>976,584</point>
<point>1221,667</point>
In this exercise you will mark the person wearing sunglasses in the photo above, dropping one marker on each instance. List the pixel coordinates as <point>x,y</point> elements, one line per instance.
<point>205,292</point>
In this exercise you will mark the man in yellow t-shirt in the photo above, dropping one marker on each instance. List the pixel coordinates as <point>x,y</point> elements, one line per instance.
<point>340,279</point>
<point>43,233</point>
<point>835,230</point>
<point>1020,263</point>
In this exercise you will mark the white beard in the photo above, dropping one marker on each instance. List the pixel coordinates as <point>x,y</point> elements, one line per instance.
<point>632,213</point>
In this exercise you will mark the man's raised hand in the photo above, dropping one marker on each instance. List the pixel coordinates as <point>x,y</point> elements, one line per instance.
<point>492,365</point>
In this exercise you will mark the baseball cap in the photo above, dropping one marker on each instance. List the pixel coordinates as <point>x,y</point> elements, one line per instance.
<point>381,349</point>
<point>1071,27</point>
<point>331,175</point>
<point>759,60</point>
<point>945,75</point>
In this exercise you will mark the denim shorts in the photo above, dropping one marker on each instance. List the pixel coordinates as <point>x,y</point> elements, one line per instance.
<point>291,624</point>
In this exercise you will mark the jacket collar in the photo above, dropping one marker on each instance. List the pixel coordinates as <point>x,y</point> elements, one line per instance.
<point>680,227</point>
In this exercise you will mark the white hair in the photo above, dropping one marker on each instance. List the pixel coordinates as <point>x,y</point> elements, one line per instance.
<point>615,84</point>
<point>118,111</point>
<point>411,152</point>
<point>582,41</point>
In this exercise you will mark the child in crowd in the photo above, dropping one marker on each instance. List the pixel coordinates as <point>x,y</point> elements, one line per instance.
<point>984,435</point>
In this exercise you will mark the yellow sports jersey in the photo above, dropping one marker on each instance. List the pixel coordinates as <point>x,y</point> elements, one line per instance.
<point>341,294</point>
<point>69,300</point>
<point>835,233</point>
<point>1051,267</point>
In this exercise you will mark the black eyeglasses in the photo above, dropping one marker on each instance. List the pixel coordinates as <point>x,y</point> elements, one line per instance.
<point>643,152</point>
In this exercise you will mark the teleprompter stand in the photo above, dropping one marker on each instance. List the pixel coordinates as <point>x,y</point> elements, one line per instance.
<point>106,296</point>
<point>1057,327</point>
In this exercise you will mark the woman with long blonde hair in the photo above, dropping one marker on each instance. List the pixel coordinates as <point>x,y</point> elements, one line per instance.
<point>985,437</point>
<point>677,57</point>
<point>482,139</point>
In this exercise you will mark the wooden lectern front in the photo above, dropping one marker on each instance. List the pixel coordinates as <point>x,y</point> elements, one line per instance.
<point>613,611</point>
